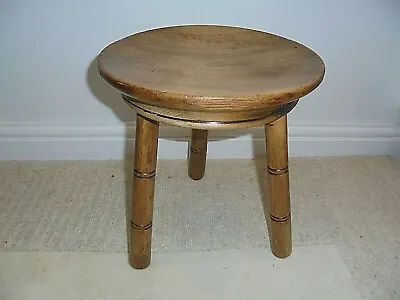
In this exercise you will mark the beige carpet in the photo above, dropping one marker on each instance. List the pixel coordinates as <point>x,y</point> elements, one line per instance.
<point>314,273</point>
<point>352,203</point>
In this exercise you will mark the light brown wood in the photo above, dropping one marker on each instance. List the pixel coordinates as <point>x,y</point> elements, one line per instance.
<point>210,120</point>
<point>210,68</point>
<point>278,187</point>
<point>197,154</point>
<point>209,77</point>
<point>146,143</point>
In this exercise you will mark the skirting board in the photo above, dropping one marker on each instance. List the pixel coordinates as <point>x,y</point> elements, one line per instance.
<point>32,142</point>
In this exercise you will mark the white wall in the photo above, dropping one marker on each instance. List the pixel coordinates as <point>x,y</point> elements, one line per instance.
<point>54,105</point>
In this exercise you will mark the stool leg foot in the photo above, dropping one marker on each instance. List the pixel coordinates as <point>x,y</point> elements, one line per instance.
<point>278,186</point>
<point>197,153</point>
<point>146,142</point>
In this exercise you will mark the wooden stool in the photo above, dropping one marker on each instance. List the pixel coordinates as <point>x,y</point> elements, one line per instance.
<point>209,77</point>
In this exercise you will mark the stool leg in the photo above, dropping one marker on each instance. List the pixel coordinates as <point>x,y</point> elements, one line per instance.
<point>197,154</point>
<point>278,186</point>
<point>146,142</point>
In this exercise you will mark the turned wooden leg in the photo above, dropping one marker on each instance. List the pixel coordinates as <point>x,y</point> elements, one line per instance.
<point>278,186</point>
<point>197,154</point>
<point>146,142</point>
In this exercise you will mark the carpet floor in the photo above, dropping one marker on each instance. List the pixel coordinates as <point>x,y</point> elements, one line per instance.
<point>315,272</point>
<point>350,203</point>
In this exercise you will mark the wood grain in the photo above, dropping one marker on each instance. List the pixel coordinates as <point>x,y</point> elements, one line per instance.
<point>146,143</point>
<point>278,187</point>
<point>209,77</point>
<point>197,154</point>
<point>210,68</point>
<point>211,119</point>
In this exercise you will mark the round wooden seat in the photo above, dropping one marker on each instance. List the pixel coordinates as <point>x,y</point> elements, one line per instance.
<point>209,77</point>
<point>204,76</point>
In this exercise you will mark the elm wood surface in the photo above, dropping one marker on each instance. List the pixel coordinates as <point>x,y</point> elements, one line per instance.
<point>209,77</point>
<point>144,173</point>
<point>210,68</point>
<point>210,120</point>
<point>197,154</point>
<point>278,187</point>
